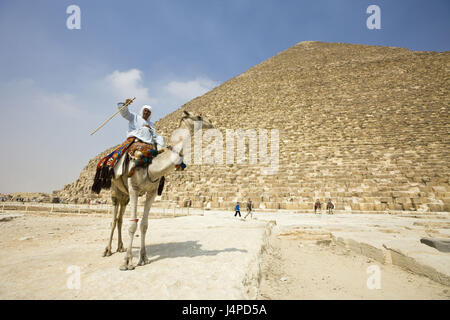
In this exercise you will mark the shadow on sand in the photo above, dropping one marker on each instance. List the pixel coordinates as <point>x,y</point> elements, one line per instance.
<point>161,251</point>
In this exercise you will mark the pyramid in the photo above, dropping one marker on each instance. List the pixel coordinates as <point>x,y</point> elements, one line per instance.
<point>367,126</point>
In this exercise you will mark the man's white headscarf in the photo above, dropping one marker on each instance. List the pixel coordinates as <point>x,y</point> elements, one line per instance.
<point>149,108</point>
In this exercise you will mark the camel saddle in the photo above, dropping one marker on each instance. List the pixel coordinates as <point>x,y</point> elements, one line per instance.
<point>141,155</point>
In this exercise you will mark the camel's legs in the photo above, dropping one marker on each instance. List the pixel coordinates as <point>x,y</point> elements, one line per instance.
<point>144,225</point>
<point>107,251</point>
<point>120,247</point>
<point>132,226</point>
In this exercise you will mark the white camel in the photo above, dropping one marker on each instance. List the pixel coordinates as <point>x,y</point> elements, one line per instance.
<point>146,180</point>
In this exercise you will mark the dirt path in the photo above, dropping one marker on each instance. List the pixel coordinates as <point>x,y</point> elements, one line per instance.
<point>298,268</point>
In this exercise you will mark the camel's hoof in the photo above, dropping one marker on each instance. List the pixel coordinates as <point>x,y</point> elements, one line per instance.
<point>127,264</point>
<point>107,252</point>
<point>124,267</point>
<point>143,262</point>
<point>121,250</point>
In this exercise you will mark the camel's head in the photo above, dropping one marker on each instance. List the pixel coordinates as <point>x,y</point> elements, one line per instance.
<point>189,119</point>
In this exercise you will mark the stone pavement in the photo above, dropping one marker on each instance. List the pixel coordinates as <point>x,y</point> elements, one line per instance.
<point>388,239</point>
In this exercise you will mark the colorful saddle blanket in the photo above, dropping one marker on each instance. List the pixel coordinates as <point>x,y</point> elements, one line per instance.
<point>140,152</point>
<point>105,167</point>
<point>142,155</point>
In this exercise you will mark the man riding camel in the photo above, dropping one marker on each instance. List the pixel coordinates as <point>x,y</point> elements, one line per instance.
<point>140,126</point>
<point>142,144</point>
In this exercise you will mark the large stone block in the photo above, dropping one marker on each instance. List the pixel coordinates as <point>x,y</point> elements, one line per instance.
<point>381,207</point>
<point>366,206</point>
<point>435,207</point>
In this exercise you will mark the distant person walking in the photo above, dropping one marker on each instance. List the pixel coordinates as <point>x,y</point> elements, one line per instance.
<point>237,210</point>
<point>330,206</point>
<point>249,209</point>
<point>317,205</point>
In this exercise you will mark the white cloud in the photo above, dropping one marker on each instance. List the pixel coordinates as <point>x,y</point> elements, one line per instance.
<point>190,89</point>
<point>165,96</point>
<point>128,84</point>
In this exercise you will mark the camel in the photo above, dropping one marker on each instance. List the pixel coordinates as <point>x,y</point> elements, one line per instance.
<point>146,180</point>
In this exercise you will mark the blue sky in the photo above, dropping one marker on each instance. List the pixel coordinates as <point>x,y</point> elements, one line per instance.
<point>57,85</point>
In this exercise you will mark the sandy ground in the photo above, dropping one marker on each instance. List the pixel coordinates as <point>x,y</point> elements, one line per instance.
<point>192,257</point>
<point>297,268</point>
<point>216,256</point>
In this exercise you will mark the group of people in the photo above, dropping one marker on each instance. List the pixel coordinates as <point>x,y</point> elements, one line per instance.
<point>318,205</point>
<point>249,209</point>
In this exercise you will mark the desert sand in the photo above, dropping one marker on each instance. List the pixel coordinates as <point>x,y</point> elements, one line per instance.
<point>214,256</point>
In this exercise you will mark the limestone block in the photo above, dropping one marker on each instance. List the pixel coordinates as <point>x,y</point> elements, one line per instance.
<point>435,207</point>
<point>403,200</point>
<point>408,206</point>
<point>366,206</point>
<point>381,207</point>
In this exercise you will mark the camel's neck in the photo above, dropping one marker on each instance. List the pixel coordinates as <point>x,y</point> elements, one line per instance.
<point>183,133</point>
<point>165,162</point>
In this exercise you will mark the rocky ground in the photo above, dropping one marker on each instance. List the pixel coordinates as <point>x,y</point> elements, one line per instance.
<point>297,270</point>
